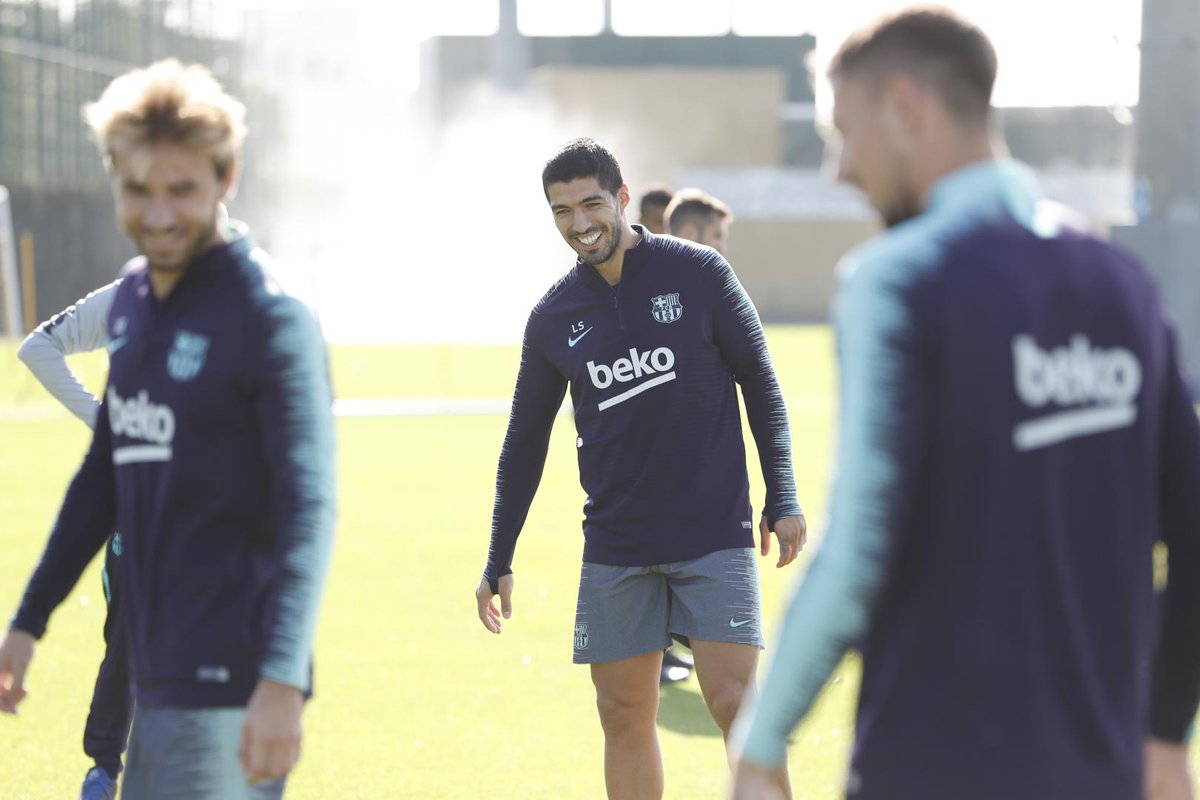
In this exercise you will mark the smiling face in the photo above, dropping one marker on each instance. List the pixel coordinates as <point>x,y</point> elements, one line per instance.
<point>167,198</point>
<point>591,220</point>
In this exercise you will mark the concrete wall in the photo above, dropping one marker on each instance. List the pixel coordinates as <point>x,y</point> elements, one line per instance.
<point>787,266</point>
<point>660,120</point>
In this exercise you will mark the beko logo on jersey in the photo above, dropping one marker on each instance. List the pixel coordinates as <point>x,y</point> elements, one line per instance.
<point>138,418</point>
<point>657,362</point>
<point>1075,374</point>
<point>625,370</point>
<point>1097,385</point>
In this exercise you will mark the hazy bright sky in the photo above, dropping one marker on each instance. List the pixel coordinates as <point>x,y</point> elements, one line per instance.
<point>1052,52</point>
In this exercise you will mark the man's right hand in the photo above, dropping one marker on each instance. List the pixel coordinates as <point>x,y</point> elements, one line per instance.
<point>16,651</point>
<point>1167,774</point>
<point>488,614</point>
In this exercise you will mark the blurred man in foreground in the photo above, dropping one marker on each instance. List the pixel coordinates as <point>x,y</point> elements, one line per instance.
<point>1015,436</point>
<point>212,455</point>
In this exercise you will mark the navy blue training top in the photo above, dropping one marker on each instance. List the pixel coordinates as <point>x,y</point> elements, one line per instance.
<point>1014,437</point>
<point>213,456</point>
<point>652,366</point>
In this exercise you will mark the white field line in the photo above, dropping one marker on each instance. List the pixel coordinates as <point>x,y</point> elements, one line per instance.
<point>361,407</point>
<point>422,407</point>
<point>390,407</point>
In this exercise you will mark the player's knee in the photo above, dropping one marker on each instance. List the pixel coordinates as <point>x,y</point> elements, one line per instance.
<point>621,712</point>
<point>724,704</point>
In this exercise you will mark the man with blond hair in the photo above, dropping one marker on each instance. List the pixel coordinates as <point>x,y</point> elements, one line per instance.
<point>212,455</point>
<point>697,216</point>
<point>1015,438</point>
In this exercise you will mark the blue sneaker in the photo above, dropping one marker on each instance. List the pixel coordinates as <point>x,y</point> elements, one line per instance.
<point>98,785</point>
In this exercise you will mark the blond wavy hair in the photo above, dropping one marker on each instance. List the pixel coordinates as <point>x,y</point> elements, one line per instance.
<point>168,102</point>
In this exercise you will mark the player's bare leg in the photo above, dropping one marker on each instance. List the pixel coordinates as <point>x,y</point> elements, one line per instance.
<point>627,699</point>
<point>725,671</point>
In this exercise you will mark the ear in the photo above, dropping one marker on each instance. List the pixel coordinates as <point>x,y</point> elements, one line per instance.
<point>903,100</point>
<point>229,183</point>
<point>623,196</point>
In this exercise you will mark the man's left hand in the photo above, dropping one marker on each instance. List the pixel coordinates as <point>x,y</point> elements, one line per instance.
<point>792,533</point>
<point>271,731</point>
<point>752,782</point>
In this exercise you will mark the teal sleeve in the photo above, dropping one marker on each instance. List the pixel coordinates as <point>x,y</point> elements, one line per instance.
<point>296,417</point>
<point>882,406</point>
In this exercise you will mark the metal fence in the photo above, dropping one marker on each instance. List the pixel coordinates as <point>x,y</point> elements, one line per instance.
<point>54,57</point>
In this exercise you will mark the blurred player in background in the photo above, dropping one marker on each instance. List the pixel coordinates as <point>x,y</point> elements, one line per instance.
<point>1015,437</point>
<point>700,217</point>
<point>212,455</point>
<point>650,334</point>
<point>652,208</point>
<point>82,328</point>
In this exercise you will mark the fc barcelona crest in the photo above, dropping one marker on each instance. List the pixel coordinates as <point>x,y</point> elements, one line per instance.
<point>187,355</point>
<point>581,636</point>
<point>666,308</point>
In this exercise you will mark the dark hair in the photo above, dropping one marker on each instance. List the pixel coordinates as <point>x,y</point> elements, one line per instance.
<point>694,206</point>
<point>583,158</point>
<point>953,56</point>
<point>657,196</point>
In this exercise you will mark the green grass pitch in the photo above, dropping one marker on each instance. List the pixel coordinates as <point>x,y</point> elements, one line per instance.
<point>414,699</point>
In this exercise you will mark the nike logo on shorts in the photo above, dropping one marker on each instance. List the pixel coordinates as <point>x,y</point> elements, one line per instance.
<point>735,624</point>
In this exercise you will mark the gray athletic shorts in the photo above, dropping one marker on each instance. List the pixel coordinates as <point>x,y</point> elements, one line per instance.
<point>189,754</point>
<point>627,611</point>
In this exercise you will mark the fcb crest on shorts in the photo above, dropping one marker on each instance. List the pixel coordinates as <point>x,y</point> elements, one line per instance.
<point>581,636</point>
<point>187,355</point>
<point>666,308</point>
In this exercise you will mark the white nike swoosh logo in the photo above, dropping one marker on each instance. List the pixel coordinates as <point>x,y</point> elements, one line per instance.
<point>734,624</point>
<point>116,344</point>
<point>574,340</point>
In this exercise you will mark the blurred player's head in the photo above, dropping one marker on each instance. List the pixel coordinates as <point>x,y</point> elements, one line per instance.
<point>652,208</point>
<point>588,198</point>
<point>912,99</point>
<point>171,139</point>
<point>700,217</point>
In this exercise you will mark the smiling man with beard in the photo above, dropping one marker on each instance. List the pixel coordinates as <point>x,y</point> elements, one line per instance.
<point>650,334</point>
<point>212,455</point>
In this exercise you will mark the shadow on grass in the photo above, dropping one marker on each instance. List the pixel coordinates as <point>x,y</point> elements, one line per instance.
<point>683,711</point>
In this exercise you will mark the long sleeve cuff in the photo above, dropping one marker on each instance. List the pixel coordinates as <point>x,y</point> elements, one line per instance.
<point>30,622</point>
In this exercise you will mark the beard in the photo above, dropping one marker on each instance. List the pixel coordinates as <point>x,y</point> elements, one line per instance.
<point>901,209</point>
<point>900,203</point>
<point>198,242</point>
<point>605,252</point>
